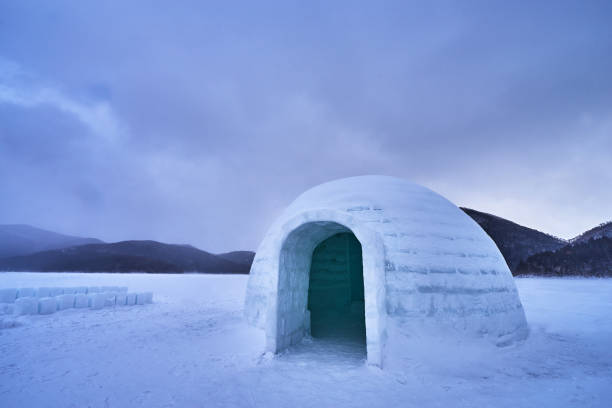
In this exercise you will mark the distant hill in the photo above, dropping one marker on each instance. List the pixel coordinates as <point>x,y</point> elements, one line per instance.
<point>125,256</point>
<point>515,241</point>
<point>600,231</point>
<point>240,257</point>
<point>584,258</point>
<point>21,239</point>
<point>526,251</point>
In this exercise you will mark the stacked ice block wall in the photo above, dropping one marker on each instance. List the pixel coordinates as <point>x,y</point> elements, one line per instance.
<point>47,300</point>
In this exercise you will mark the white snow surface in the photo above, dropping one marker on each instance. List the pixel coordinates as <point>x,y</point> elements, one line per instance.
<point>192,348</point>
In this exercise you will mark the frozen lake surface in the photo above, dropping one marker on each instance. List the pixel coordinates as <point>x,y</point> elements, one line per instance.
<point>191,348</point>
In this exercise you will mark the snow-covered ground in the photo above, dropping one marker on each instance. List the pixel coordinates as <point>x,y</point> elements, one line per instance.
<point>191,348</point>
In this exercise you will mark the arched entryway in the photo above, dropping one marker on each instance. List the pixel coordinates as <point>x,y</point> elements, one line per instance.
<point>335,290</point>
<point>288,318</point>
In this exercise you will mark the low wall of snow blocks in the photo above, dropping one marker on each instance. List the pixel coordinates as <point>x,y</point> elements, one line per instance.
<point>47,300</point>
<point>8,295</point>
<point>109,299</point>
<point>26,306</point>
<point>96,301</point>
<point>47,305</point>
<point>43,292</point>
<point>144,298</point>
<point>65,301</point>
<point>120,299</point>
<point>130,299</point>
<point>11,294</point>
<point>26,292</point>
<point>81,301</point>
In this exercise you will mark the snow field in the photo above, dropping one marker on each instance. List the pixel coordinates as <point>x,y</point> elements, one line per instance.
<point>193,348</point>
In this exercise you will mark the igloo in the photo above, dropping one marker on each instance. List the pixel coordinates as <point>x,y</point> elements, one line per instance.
<point>385,258</point>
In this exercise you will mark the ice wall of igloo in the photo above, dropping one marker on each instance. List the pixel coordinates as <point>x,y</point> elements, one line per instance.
<point>428,268</point>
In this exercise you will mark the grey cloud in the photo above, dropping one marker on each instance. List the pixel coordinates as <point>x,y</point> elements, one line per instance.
<point>221,114</point>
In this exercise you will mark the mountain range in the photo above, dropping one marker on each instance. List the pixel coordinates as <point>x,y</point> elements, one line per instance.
<point>26,248</point>
<point>531,252</point>
<point>526,251</point>
<point>603,230</point>
<point>20,239</point>
<point>516,243</point>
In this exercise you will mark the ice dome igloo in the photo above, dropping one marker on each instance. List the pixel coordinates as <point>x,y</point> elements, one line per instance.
<point>373,252</point>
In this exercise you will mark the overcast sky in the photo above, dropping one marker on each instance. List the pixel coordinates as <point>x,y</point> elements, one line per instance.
<point>195,122</point>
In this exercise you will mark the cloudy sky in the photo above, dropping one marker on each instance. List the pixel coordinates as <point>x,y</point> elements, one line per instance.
<point>197,122</point>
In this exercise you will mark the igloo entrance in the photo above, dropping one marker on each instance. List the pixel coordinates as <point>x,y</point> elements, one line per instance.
<point>287,319</point>
<point>335,290</point>
<point>294,304</point>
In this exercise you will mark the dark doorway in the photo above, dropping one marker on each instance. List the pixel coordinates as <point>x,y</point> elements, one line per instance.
<point>335,290</point>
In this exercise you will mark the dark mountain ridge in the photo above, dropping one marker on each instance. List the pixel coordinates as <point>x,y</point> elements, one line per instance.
<point>531,252</point>
<point>585,258</point>
<point>600,231</point>
<point>240,257</point>
<point>515,241</point>
<point>125,256</point>
<point>526,251</point>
